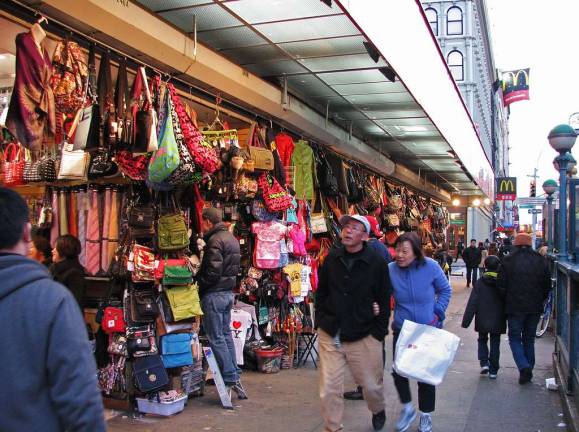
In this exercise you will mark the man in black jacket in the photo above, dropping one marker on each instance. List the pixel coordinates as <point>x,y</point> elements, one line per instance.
<point>525,281</point>
<point>471,257</point>
<point>352,278</point>
<point>217,277</point>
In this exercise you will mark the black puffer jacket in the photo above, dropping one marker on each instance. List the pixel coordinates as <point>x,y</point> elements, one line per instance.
<point>220,263</point>
<point>524,281</point>
<point>486,306</point>
<point>472,256</point>
<point>71,274</point>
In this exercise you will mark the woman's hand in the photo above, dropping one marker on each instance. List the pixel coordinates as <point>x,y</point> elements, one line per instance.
<point>376,309</point>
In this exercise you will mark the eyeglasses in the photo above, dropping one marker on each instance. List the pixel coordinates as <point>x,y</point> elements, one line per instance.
<point>352,227</point>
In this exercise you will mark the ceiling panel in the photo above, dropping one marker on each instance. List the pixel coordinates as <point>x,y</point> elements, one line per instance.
<point>310,86</point>
<point>209,17</point>
<point>157,5</point>
<point>352,77</point>
<point>254,54</point>
<point>275,68</point>
<point>355,61</point>
<point>380,99</point>
<point>422,121</point>
<point>254,11</point>
<point>326,47</point>
<point>314,28</point>
<point>230,38</point>
<point>370,88</point>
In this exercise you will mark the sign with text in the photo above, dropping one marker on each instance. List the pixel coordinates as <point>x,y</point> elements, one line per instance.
<point>506,188</point>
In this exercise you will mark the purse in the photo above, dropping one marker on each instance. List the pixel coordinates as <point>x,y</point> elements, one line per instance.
<point>145,119</point>
<point>140,345</point>
<point>73,164</point>
<point>31,173</point>
<point>141,217</point>
<point>172,233</point>
<point>143,306</point>
<point>13,165</point>
<point>113,320</point>
<point>184,301</point>
<point>47,168</point>
<point>275,197</point>
<point>150,373</point>
<point>326,179</point>
<point>160,270</point>
<point>143,264</point>
<point>177,275</point>
<point>176,350</point>
<point>118,345</point>
<point>165,160</point>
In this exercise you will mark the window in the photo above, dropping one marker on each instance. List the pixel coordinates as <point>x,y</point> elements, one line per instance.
<point>454,21</point>
<point>456,65</point>
<point>432,17</point>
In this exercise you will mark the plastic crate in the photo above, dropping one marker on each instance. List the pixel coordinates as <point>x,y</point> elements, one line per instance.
<point>268,361</point>
<point>147,406</point>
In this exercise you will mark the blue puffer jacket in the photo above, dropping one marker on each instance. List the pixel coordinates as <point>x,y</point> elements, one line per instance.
<point>421,292</point>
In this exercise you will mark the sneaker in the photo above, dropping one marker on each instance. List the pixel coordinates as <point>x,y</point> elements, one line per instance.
<point>525,375</point>
<point>425,423</point>
<point>407,416</point>
<point>484,370</point>
<point>493,375</point>
<point>354,394</point>
<point>237,387</point>
<point>378,420</point>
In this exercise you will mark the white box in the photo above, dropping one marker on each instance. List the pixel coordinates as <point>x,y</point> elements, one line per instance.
<point>147,406</point>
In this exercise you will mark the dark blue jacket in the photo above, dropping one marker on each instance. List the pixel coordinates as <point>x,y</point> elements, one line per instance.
<point>381,248</point>
<point>47,371</point>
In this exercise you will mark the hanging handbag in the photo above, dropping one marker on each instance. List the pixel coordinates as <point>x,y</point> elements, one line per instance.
<point>275,197</point>
<point>172,232</point>
<point>160,270</point>
<point>141,217</point>
<point>143,264</point>
<point>31,174</point>
<point>326,179</point>
<point>113,320</point>
<point>13,165</point>
<point>261,213</point>
<point>134,167</point>
<point>143,306</point>
<point>184,301</point>
<point>318,223</point>
<point>73,164</point>
<point>165,160</point>
<point>141,343</point>
<point>118,345</point>
<point>145,118</point>
<point>258,152</point>
<point>176,350</point>
<point>150,373</point>
<point>176,275</point>
<point>47,168</point>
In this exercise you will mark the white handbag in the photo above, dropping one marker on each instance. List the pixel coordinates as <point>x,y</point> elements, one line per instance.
<point>73,163</point>
<point>424,353</point>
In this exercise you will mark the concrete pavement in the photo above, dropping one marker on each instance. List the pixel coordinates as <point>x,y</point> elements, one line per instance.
<point>466,402</point>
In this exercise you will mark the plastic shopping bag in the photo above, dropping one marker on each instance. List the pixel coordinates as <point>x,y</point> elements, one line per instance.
<point>424,353</point>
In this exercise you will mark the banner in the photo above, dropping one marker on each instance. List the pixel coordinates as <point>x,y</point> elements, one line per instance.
<point>515,86</point>
<point>506,188</point>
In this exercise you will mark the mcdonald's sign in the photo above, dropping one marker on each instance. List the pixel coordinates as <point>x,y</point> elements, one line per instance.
<point>506,188</point>
<point>515,86</point>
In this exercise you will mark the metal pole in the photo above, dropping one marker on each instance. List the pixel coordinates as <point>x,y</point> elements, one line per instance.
<point>550,223</point>
<point>562,244</point>
<point>534,228</point>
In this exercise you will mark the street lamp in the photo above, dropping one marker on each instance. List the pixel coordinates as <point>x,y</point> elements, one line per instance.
<point>562,139</point>
<point>476,202</point>
<point>550,187</point>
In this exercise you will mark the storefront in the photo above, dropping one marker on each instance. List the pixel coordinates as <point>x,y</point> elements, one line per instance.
<point>143,134</point>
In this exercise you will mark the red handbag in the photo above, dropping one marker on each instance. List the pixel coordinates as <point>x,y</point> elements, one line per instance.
<point>174,262</point>
<point>134,167</point>
<point>13,164</point>
<point>276,198</point>
<point>113,320</point>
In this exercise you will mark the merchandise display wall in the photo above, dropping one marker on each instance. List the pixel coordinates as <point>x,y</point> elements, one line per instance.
<point>117,155</point>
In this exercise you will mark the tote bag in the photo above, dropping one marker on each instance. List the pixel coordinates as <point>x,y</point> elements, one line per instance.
<point>424,353</point>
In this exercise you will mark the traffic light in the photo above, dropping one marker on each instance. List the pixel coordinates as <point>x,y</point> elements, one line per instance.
<point>533,189</point>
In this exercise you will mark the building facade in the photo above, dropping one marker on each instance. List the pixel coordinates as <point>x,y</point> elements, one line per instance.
<point>463,33</point>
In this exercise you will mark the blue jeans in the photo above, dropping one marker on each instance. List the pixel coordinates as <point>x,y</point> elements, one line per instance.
<point>522,328</point>
<point>486,358</point>
<point>216,323</point>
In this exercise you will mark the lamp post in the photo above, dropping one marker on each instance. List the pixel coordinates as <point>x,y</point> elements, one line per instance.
<point>562,139</point>
<point>549,187</point>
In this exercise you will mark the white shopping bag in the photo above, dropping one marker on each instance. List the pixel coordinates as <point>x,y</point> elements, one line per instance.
<point>424,353</point>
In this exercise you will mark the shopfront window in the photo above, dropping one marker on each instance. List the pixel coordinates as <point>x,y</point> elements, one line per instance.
<point>455,62</point>
<point>432,17</point>
<point>454,21</point>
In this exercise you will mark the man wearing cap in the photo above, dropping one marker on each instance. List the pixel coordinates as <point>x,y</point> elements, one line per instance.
<point>217,277</point>
<point>352,278</point>
<point>524,280</point>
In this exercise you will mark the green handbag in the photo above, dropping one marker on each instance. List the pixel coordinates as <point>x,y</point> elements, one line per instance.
<point>166,159</point>
<point>184,301</point>
<point>172,232</point>
<point>177,275</point>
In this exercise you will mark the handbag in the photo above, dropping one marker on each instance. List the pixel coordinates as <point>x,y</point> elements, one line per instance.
<point>143,306</point>
<point>118,345</point>
<point>424,353</point>
<point>150,373</point>
<point>160,270</point>
<point>47,168</point>
<point>13,165</point>
<point>326,179</point>
<point>177,275</point>
<point>172,233</point>
<point>141,217</point>
<point>134,167</point>
<point>275,197</point>
<point>31,173</point>
<point>73,164</point>
<point>84,122</point>
<point>184,301</point>
<point>165,160</point>
<point>260,212</point>
<point>141,344</point>
<point>176,350</point>
<point>101,165</point>
<point>113,320</point>
<point>143,264</point>
<point>145,118</point>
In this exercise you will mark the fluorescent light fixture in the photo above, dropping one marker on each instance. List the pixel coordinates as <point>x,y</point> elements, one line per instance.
<point>413,128</point>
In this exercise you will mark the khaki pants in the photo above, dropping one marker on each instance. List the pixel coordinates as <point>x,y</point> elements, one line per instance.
<point>364,358</point>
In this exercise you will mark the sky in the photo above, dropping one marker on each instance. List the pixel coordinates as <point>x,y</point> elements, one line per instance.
<point>543,36</point>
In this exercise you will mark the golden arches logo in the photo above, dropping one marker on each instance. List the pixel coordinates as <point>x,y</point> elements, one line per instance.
<point>514,78</point>
<point>506,187</point>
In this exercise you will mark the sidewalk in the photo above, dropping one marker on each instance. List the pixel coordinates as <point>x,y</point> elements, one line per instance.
<point>288,401</point>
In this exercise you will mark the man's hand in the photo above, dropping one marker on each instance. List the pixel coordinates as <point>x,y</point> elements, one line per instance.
<point>376,309</point>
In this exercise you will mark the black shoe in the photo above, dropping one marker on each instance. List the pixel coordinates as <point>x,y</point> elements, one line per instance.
<point>525,375</point>
<point>354,394</point>
<point>378,420</point>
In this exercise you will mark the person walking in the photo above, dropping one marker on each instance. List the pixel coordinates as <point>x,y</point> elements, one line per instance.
<point>506,248</point>
<point>217,277</point>
<point>487,307</point>
<point>422,293</point>
<point>484,253</point>
<point>48,372</point>
<point>352,278</point>
<point>459,249</point>
<point>66,267</point>
<point>524,281</point>
<point>444,259</point>
<point>471,257</point>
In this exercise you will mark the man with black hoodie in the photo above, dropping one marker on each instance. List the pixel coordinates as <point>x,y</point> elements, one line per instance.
<point>48,372</point>
<point>471,257</point>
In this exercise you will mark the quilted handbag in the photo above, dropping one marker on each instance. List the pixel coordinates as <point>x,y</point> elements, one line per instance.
<point>184,301</point>
<point>275,197</point>
<point>113,320</point>
<point>13,165</point>
<point>47,169</point>
<point>144,306</point>
<point>176,350</point>
<point>165,160</point>
<point>150,373</point>
<point>31,173</point>
<point>172,232</point>
<point>177,275</point>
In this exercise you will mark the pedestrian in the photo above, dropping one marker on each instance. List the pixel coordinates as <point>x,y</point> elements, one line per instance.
<point>444,259</point>
<point>524,281</point>
<point>352,278</point>
<point>487,243</point>
<point>217,277</point>
<point>66,268</point>
<point>459,249</point>
<point>428,251</point>
<point>506,248</point>
<point>40,250</point>
<point>484,253</point>
<point>493,250</point>
<point>472,258</point>
<point>422,293</point>
<point>487,307</point>
<point>48,372</point>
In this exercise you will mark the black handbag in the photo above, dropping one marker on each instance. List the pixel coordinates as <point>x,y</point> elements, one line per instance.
<point>150,373</point>
<point>326,179</point>
<point>143,306</point>
<point>141,217</point>
<point>101,165</point>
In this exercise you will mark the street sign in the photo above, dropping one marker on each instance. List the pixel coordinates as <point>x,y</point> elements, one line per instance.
<point>535,211</point>
<point>530,201</point>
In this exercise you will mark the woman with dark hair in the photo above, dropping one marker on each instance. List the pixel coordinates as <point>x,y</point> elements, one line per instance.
<point>40,250</point>
<point>493,250</point>
<point>66,268</point>
<point>422,293</point>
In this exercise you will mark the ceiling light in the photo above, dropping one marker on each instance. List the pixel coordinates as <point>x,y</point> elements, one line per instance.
<point>487,201</point>
<point>413,128</point>
<point>388,72</point>
<point>476,202</point>
<point>372,51</point>
<point>456,202</point>
<point>2,56</point>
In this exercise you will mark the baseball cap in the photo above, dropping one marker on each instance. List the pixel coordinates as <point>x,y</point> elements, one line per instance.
<point>374,226</point>
<point>358,218</point>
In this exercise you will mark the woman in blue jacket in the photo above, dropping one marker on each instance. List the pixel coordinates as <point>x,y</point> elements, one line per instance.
<point>422,293</point>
